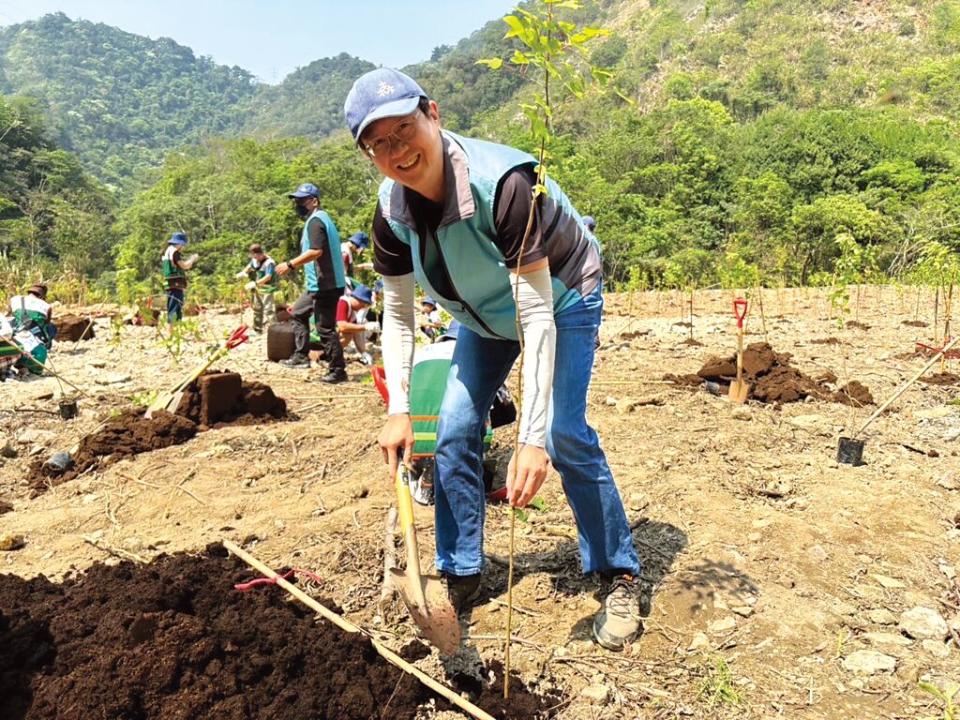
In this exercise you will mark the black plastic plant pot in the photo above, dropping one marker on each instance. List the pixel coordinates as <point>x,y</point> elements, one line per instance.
<point>68,409</point>
<point>850,451</point>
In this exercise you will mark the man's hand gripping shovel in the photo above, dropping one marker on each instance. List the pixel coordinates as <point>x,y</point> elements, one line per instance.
<point>170,399</point>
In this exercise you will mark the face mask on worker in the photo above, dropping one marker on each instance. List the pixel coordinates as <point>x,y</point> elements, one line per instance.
<point>303,212</point>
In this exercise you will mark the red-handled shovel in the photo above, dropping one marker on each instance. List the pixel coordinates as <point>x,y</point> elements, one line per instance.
<point>738,388</point>
<point>170,400</point>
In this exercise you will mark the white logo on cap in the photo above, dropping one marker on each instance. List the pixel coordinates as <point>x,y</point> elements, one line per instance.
<point>384,89</point>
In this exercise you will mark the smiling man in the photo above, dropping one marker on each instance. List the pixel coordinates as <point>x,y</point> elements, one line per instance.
<point>452,215</point>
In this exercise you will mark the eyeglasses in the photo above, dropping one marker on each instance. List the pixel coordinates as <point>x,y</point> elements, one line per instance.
<point>402,132</point>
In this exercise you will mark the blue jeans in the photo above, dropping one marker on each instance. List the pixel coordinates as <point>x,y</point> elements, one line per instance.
<point>480,366</point>
<point>174,305</point>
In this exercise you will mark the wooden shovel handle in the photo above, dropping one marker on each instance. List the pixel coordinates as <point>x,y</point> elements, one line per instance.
<point>405,511</point>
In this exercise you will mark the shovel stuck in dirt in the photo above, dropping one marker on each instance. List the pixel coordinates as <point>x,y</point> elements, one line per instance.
<point>738,388</point>
<point>170,399</point>
<point>424,595</point>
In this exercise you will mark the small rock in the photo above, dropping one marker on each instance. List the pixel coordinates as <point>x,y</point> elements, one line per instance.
<point>8,450</point>
<point>923,623</point>
<point>112,379</point>
<point>723,625</point>
<point>934,413</point>
<point>882,616</point>
<point>638,501</point>
<point>11,541</point>
<point>132,543</point>
<point>741,412</point>
<point>844,608</point>
<point>742,610</point>
<point>755,537</point>
<point>888,582</point>
<point>951,435</point>
<point>950,481</point>
<point>97,364</point>
<point>596,694</point>
<point>817,553</point>
<point>937,648</point>
<point>700,642</point>
<point>812,423</point>
<point>35,435</point>
<point>611,401</point>
<point>869,662</point>
<point>948,570</point>
<point>624,406</point>
<point>775,488</point>
<point>882,638</point>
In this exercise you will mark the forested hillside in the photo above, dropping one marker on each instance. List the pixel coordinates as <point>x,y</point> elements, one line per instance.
<point>118,100</point>
<point>742,140</point>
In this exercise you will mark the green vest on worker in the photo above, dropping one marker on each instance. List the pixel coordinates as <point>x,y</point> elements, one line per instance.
<point>332,250</point>
<point>173,274</point>
<point>475,265</point>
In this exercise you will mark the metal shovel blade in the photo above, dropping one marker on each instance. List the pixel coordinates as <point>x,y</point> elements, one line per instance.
<point>739,390</point>
<point>437,620</point>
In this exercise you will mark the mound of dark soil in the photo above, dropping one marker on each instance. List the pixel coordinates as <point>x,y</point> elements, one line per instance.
<point>223,398</point>
<point>5,507</point>
<point>941,379</point>
<point>73,328</point>
<point>174,640</point>
<point>214,400</point>
<point>915,323</point>
<point>127,434</point>
<point>773,379</point>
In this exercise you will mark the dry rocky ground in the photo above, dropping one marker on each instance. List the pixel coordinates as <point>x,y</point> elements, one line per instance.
<point>784,584</point>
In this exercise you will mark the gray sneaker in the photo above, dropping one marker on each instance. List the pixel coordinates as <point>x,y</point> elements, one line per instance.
<point>618,621</point>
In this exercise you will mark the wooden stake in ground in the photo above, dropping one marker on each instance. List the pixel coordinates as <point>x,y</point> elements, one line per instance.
<point>347,626</point>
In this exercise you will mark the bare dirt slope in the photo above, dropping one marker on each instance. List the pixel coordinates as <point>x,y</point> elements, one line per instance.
<point>776,573</point>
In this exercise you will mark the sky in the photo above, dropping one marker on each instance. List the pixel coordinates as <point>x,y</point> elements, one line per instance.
<point>271,39</point>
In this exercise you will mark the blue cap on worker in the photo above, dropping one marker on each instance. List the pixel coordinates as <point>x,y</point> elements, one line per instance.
<point>305,190</point>
<point>360,240</point>
<point>178,238</point>
<point>590,222</point>
<point>378,94</point>
<point>362,293</point>
<point>378,286</point>
<point>427,300</point>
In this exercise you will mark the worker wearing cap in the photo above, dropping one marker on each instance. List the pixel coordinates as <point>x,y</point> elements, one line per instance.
<point>351,326</point>
<point>432,324</point>
<point>32,328</point>
<point>324,282</point>
<point>175,268</point>
<point>452,215</point>
<point>261,271</point>
<point>351,250</point>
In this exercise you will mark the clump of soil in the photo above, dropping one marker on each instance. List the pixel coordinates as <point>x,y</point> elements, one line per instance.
<point>223,398</point>
<point>214,400</point>
<point>915,323</point>
<point>5,507</point>
<point>941,379</point>
<point>127,434</point>
<point>73,328</point>
<point>825,341</point>
<point>857,325</point>
<point>173,640</point>
<point>773,379</point>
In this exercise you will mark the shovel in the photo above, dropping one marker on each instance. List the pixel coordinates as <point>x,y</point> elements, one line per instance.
<point>424,595</point>
<point>170,400</point>
<point>738,388</point>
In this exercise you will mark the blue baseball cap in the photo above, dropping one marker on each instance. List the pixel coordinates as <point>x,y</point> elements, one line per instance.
<point>427,300</point>
<point>362,293</point>
<point>178,238</point>
<point>590,222</point>
<point>360,239</point>
<point>305,190</point>
<point>378,94</point>
<point>378,286</point>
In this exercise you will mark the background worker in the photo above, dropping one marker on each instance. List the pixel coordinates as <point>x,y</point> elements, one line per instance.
<point>262,272</point>
<point>432,324</point>
<point>175,268</point>
<point>350,251</point>
<point>452,216</point>
<point>324,280</point>
<point>350,327</point>
<point>32,329</point>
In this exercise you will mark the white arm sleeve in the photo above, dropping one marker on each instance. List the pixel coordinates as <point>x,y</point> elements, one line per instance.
<point>535,296</point>
<point>398,339</point>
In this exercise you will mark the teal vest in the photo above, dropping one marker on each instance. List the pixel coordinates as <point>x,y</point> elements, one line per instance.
<point>332,251</point>
<point>476,267</point>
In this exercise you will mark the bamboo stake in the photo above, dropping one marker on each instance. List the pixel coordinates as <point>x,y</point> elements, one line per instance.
<point>347,626</point>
